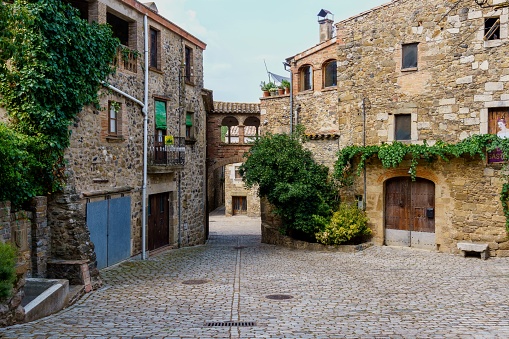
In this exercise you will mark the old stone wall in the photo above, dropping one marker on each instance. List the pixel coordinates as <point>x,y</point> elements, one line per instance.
<point>458,78</point>
<point>28,232</point>
<point>465,209</point>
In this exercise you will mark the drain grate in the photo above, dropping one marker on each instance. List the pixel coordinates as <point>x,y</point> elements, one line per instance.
<point>279,296</point>
<point>195,282</point>
<point>239,247</point>
<point>230,323</point>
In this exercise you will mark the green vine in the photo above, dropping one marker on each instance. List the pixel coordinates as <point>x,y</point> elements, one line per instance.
<point>392,155</point>
<point>51,65</point>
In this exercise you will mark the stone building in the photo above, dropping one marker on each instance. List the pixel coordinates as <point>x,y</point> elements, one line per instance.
<point>412,71</point>
<point>231,129</point>
<point>99,216</point>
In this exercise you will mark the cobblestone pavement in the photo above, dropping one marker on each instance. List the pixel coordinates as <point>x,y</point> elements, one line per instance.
<point>381,292</point>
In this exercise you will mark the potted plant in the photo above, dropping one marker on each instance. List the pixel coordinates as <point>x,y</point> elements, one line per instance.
<point>281,89</point>
<point>286,85</point>
<point>273,91</point>
<point>266,87</point>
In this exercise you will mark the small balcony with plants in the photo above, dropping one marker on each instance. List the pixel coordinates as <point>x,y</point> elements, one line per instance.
<point>166,153</point>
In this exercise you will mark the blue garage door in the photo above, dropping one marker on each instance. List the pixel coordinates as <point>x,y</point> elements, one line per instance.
<point>109,222</point>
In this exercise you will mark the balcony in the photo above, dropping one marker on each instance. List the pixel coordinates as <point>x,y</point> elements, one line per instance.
<point>165,157</point>
<point>126,59</point>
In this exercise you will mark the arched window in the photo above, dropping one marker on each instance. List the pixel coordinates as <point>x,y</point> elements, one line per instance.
<point>251,129</point>
<point>330,74</point>
<point>230,130</point>
<point>305,78</point>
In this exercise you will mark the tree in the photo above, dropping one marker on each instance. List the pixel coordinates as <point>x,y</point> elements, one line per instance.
<point>297,187</point>
<point>51,65</point>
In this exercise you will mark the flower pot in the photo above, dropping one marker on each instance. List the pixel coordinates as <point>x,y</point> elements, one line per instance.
<point>281,91</point>
<point>287,90</point>
<point>266,94</point>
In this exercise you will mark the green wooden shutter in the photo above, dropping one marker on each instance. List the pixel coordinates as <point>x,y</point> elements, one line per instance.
<point>160,114</point>
<point>189,119</point>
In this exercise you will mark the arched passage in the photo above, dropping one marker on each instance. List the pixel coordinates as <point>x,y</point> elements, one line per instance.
<point>410,212</point>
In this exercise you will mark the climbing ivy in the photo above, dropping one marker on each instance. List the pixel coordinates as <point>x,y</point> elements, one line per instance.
<point>392,155</point>
<point>51,65</point>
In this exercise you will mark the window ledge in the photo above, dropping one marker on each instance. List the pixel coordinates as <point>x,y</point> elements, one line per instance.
<point>410,69</point>
<point>492,43</point>
<point>155,70</point>
<point>306,91</point>
<point>330,88</point>
<point>190,141</point>
<point>114,138</point>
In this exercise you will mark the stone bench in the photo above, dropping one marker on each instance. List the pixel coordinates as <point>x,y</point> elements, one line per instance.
<point>471,247</point>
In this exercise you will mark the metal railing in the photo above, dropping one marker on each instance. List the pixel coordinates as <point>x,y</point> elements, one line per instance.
<point>166,154</point>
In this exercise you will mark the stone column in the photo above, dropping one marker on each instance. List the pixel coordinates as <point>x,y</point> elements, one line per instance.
<point>40,236</point>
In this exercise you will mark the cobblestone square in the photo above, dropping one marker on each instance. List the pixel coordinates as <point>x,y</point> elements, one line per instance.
<point>381,292</point>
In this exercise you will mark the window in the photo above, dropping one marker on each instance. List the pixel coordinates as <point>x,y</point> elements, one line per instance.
<point>114,118</point>
<point>81,6</point>
<point>237,172</point>
<point>189,126</point>
<point>492,29</point>
<point>330,75</point>
<point>498,123</point>
<point>409,53</point>
<point>402,128</point>
<point>305,75</point>
<point>154,49</point>
<point>119,27</point>
<point>189,65</point>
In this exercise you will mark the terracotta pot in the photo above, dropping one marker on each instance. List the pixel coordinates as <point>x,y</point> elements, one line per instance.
<point>287,90</point>
<point>281,91</point>
<point>266,94</point>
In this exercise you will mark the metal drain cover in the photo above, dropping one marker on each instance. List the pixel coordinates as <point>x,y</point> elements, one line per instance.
<point>279,296</point>
<point>195,282</point>
<point>230,323</point>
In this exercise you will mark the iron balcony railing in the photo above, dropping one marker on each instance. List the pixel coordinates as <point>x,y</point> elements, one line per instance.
<point>166,150</point>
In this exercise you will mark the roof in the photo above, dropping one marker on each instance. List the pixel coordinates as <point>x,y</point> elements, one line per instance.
<point>236,107</point>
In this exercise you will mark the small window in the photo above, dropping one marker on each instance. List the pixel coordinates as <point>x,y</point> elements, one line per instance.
<point>498,123</point>
<point>189,125</point>
<point>330,75</point>
<point>409,53</point>
<point>113,118</point>
<point>492,29</point>
<point>189,64</point>
<point>154,49</point>
<point>306,78</point>
<point>237,172</point>
<point>402,129</point>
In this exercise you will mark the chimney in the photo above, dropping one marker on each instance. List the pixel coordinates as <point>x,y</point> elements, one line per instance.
<point>326,21</point>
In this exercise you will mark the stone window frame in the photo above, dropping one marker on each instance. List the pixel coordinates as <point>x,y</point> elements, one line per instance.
<point>404,46</point>
<point>324,74</point>
<point>491,28</point>
<point>414,135</point>
<point>303,77</point>
<point>188,65</point>
<point>156,49</point>
<point>190,129</point>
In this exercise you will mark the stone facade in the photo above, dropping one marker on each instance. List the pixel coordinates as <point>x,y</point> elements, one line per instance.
<point>460,80</point>
<point>106,164</point>
<point>222,151</point>
<point>236,192</point>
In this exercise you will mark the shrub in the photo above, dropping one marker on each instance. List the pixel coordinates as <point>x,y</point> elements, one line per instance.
<point>286,174</point>
<point>7,269</point>
<point>348,223</point>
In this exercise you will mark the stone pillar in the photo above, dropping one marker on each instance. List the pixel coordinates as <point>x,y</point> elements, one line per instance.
<point>241,134</point>
<point>40,236</point>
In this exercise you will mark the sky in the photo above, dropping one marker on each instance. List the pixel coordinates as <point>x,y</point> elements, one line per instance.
<point>244,37</point>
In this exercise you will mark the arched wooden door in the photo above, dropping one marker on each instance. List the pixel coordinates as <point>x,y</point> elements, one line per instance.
<point>410,212</point>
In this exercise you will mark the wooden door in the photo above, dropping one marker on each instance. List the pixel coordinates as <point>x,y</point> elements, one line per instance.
<point>160,154</point>
<point>158,221</point>
<point>239,205</point>
<point>410,212</point>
